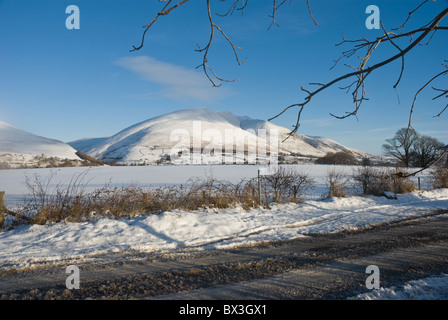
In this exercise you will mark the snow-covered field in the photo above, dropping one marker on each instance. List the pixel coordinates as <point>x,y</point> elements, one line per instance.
<point>13,181</point>
<point>200,230</point>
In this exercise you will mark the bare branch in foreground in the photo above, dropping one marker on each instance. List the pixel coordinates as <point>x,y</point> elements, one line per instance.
<point>362,71</point>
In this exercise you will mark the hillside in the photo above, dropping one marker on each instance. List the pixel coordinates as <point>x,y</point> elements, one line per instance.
<point>214,135</point>
<point>22,148</point>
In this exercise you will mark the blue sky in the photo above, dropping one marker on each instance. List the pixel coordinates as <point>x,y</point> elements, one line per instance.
<point>71,84</point>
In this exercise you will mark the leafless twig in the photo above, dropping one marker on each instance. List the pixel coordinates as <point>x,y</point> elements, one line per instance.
<point>362,71</point>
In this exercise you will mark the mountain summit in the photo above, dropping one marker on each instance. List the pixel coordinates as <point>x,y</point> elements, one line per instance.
<point>180,136</point>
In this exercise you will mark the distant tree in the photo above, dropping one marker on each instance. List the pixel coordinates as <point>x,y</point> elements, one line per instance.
<point>412,149</point>
<point>341,157</point>
<point>426,151</point>
<point>401,146</point>
<point>366,162</point>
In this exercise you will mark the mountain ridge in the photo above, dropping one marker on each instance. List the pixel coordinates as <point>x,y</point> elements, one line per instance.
<point>156,139</point>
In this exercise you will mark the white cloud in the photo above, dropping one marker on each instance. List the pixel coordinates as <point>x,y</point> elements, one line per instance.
<point>178,83</point>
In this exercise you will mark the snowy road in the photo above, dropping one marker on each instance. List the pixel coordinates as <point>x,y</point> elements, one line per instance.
<point>344,277</point>
<point>325,266</point>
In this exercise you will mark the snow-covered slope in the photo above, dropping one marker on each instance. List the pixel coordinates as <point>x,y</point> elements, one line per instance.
<point>19,145</point>
<point>203,128</point>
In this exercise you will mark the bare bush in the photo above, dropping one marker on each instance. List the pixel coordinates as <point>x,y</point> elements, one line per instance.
<point>337,184</point>
<point>50,202</point>
<point>209,193</point>
<point>247,193</point>
<point>379,181</point>
<point>364,177</point>
<point>399,183</point>
<point>439,177</point>
<point>286,185</point>
<point>371,180</point>
<point>117,202</point>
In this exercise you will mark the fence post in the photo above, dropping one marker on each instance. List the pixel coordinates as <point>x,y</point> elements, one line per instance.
<point>2,209</point>
<point>419,186</point>
<point>259,188</point>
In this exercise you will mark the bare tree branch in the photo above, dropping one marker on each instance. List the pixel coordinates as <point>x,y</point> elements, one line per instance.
<point>206,49</point>
<point>311,13</point>
<point>410,15</point>
<point>234,7</point>
<point>165,11</point>
<point>361,72</point>
<point>421,89</point>
<point>275,8</point>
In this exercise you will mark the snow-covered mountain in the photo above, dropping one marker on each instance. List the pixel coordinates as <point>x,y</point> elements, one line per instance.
<point>213,135</point>
<point>19,147</point>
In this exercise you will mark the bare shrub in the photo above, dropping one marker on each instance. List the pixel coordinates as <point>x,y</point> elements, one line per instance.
<point>247,193</point>
<point>371,180</point>
<point>116,202</point>
<point>337,184</point>
<point>364,178</point>
<point>439,177</point>
<point>203,193</point>
<point>52,202</point>
<point>398,183</point>
<point>378,181</point>
<point>286,185</point>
